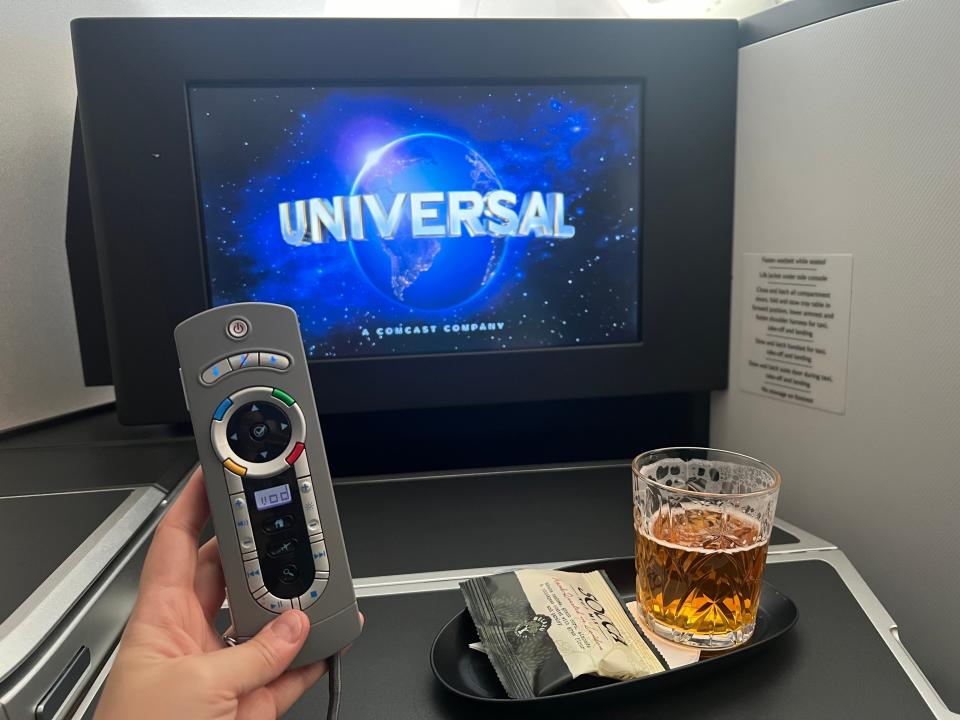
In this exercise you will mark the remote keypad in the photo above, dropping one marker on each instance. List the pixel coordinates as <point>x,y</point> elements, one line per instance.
<point>258,434</point>
<point>246,384</point>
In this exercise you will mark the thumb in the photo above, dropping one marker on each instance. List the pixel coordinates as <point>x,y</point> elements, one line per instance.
<point>263,657</point>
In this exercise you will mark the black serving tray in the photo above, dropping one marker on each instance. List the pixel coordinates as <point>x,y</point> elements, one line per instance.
<point>468,673</point>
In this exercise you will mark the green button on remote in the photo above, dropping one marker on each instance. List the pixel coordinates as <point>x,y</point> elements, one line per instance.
<point>281,395</point>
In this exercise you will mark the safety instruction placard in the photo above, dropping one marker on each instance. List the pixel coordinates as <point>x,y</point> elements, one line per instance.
<point>796,327</point>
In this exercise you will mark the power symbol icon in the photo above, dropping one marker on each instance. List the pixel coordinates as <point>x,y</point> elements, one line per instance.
<point>237,328</point>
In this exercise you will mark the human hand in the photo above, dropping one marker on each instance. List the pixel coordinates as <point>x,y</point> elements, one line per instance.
<point>172,663</point>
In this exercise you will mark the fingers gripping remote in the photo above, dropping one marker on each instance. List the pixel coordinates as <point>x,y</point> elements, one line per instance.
<point>247,388</point>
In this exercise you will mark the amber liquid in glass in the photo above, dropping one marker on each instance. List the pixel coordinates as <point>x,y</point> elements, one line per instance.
<point>699,571</point>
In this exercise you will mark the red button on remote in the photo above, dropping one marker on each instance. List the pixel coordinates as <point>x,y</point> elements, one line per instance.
<point>295,453</point>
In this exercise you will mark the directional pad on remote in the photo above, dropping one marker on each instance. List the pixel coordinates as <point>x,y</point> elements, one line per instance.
<point>258,431</point>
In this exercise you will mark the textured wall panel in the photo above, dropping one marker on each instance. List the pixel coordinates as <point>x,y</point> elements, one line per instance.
<point>848,141</point>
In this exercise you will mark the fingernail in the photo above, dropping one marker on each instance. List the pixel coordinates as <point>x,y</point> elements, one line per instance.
<point>288,627</point>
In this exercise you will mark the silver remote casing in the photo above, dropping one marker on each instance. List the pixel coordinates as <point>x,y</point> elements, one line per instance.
<point>247,387</point>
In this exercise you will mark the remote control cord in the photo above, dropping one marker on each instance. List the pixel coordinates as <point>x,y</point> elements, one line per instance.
<point>333,706</point>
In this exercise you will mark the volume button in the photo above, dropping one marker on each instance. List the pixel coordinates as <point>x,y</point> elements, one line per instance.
<point>241,518</point>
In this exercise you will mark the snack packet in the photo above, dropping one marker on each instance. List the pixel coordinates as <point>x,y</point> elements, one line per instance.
<point>543,628</point>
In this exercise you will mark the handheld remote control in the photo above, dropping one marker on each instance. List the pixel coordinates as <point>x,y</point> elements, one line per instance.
<point>247,388</point>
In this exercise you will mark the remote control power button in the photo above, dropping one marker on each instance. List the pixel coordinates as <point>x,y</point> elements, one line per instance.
<point>237,328</point>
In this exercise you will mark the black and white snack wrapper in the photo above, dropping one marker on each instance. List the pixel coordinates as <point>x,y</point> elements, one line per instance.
<point>543,628</point>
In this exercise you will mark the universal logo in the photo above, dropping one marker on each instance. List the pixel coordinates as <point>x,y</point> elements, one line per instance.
<point>534,626</point>
<point>431,214</point>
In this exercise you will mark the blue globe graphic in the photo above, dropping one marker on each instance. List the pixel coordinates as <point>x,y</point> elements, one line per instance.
<point>435,272</point>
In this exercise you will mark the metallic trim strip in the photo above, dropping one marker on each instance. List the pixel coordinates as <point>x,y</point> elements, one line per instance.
<point>145,537</point>
<point>95,686</point>
<point>509,470</point>
<point>26,628</point>
<point>882,622</point>
<point>91,491</point>
<point>399,584</point>
<point>806,541</point>
<point>78,685</point>
<point>440,580</point>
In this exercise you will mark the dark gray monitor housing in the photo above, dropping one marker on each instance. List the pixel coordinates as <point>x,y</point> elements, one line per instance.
<point>132,76</point>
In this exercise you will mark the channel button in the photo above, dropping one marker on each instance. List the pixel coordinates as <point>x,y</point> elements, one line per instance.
<point>276,361</point>
<point>215,372</point>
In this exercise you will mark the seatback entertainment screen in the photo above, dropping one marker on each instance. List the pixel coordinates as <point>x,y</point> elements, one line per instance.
<point>412,219</point>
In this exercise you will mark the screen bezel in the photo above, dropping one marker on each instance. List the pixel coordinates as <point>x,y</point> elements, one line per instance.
<point>447,83</point>
<point>142,183</point>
